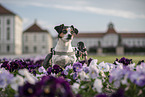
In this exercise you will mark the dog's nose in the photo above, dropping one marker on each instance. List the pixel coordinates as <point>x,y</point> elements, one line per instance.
<point>69,36</point>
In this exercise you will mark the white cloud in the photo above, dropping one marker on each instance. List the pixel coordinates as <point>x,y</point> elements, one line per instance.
<point>102,11</point>
<point>95,10</point>
<point>77,5</point>
<point>111,12</point>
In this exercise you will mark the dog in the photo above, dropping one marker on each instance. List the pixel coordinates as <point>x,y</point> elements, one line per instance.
<point>63,54</point>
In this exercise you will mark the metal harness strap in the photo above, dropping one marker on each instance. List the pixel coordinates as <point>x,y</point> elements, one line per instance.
<point>64,53</point>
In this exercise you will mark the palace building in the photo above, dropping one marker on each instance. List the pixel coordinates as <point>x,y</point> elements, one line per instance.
<point>10,32</point>
<point>37,40</point>
<point>110,38</point>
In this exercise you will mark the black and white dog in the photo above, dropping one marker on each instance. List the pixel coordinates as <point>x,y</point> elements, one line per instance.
<point>63,54</point>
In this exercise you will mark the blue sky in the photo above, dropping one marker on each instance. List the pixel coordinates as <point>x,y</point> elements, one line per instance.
<point>86,15</point>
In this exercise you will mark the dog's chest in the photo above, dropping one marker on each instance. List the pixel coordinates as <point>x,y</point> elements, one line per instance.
<point>63,46</point>
<point>64,54</point>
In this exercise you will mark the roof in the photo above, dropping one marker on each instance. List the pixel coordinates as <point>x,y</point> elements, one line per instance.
<point>35,28</point>
<point>111,29</point>
<point>100,35</point>
<point>4,11</point>
<point>89,35</point>
<point>132,35</point>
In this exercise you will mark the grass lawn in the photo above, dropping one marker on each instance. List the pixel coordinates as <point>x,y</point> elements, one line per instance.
<point>111,58</point>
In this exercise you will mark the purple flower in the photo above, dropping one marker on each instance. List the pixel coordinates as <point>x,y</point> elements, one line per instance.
<point>117,75</point>
<point>49,70</point>
<point>116,59</point>
<point>29,90</point>
<point>67,69</point>
<point>119,93</point>
<point>78,95</point>
<point>32,66</point>
<point>101,95</point>
<point>77,67</point>
<point>14,66</point>
<point>75,75</point>
<point>125,61</point>
<point>86,69</point>
<point>34,72</point>
<point>56,69</point>
<point>55,87</point>
<point>137,77</point>
<point>6,65</point>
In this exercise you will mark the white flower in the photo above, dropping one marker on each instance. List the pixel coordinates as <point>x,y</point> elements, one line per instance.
<point>119,65</point>
<point>98,85</point>
<point>40,75</point>
<point>93,71</point>
<point>94,62</point>
<point>102,74</point>
<point>16,82</point>
<point>116,84</point>
<point>131,66</point>
<point>83,75</point>
<point>29,77</point>
<point>42,69</point>
<point>124,81</point>
<point>141,68</point>
<point>5,77</point>
<point>112,66</point>
<point>75,87</point>
<point>104,67</point>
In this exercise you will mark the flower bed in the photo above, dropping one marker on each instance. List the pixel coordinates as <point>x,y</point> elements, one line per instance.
<point>28,78</point>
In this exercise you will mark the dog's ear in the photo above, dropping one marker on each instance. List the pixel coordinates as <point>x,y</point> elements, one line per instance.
<point>72,27</point>
<point>75,30</point>
<point>59,28</point>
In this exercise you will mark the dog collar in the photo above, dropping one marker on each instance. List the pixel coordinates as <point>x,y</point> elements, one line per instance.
<point>64,53</point>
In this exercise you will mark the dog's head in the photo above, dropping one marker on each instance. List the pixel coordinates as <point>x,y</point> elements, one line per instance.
<point>66,32</point>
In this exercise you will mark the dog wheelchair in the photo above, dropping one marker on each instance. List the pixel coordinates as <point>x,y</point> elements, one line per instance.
<point>80,53</point>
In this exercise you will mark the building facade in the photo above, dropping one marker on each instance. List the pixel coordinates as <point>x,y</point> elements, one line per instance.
<point>110,38</point>
<point>10,32</point>
<point>37,40</point>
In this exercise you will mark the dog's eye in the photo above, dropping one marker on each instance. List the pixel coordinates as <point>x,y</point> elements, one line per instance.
<point>64,31</point>
<point>72,32</point>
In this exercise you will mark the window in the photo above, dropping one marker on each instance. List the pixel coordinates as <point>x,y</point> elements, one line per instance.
<point>0,33</point>
<point>26,49</point>
<point>8,33</point>
<point>43,38</point>
<point>26,38</point>
<point>34,38</point>
<point>43,47</point>
<point>8,21</point>
<point>35,49</point>
<point>138,42</point>
<point>8,48</point>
